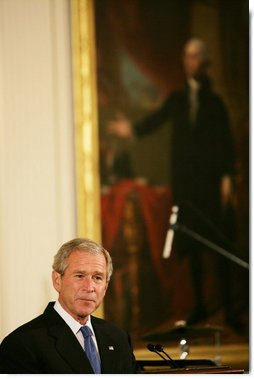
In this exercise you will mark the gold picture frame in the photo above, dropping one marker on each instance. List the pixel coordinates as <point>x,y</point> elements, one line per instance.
<point>85,119</point>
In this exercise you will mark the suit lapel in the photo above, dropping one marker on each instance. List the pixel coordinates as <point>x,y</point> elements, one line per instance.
<point>67,344</point>
<point>107,347</point>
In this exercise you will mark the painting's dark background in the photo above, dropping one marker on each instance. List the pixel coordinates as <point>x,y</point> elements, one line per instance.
<point>139,46</point>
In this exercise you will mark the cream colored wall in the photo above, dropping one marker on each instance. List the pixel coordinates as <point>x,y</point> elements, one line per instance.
<point>37,191</point>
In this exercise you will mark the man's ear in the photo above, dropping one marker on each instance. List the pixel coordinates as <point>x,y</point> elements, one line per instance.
<point>56,279</point>
<point>106,287</point>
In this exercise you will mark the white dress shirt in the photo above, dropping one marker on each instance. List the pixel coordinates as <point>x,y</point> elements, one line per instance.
<point>75,325</point>
<point>193,99</point>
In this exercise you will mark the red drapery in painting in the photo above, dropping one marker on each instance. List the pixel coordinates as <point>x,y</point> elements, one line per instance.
<point>155,204</point>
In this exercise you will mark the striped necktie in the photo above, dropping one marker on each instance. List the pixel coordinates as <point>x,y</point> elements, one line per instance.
<point>90,349</point>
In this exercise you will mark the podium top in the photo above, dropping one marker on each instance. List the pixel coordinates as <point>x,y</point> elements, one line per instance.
<point>197,370</point>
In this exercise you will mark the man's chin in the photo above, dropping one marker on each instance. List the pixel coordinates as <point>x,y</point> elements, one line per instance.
<point>81,316</point>
<point>83,313</point>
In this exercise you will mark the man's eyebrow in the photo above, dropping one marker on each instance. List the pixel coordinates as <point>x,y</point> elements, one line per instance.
<point>99,273</point>
<point>79,272</point>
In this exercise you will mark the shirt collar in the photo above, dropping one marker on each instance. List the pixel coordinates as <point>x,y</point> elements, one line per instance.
<point>193,83</point>
<point>70,321</point>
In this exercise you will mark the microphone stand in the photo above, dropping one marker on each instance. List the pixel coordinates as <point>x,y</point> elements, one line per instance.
<point>158,349</point>
<point>174,364</point>
<point>182,228</point>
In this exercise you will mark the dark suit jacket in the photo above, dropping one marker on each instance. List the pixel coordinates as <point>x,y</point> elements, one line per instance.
<point>200,155</point>
<point>46,345</point>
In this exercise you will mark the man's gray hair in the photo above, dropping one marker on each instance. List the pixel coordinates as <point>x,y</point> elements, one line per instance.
<point>81,244</point>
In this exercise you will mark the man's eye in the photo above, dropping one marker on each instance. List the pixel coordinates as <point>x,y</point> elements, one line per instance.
<point>98,278</point>
<point>79,276</point>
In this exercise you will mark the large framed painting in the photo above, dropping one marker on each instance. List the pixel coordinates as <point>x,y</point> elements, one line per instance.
<point>127,63</point>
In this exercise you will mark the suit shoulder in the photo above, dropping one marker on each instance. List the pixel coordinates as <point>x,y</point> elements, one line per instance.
<point>96,321</point>
<point>29,326</point>
<point>102,322</point>
<point>174,97</point>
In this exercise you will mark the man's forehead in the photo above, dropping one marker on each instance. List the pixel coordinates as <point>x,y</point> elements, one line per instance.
<point>195,48</point>
<point>95,268</point>
<point>192,49</point>
<point>86,256</point>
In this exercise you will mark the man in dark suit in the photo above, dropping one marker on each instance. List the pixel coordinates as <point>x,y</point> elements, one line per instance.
<point>202,160</point>
<point>54,342</point>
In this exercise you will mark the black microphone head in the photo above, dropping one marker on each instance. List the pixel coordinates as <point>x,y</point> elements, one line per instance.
<point>151,347</point>
<point>159,347</point>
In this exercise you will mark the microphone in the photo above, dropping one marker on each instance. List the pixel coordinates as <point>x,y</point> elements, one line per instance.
<point>156,348</point>
<point>171,231</point>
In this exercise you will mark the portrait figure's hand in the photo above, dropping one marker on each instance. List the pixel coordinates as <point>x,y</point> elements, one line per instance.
<point>120,127</point>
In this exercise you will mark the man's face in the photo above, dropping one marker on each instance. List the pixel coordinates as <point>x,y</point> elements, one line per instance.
<point>193,61</point>
<point>83,285</point>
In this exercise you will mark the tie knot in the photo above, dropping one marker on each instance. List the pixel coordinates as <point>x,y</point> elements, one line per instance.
<point>86,331</point>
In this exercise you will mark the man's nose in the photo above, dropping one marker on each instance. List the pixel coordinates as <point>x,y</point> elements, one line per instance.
<point>88,284</point>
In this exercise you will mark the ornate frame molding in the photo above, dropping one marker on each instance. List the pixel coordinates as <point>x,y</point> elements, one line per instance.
<point>85,118</point>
